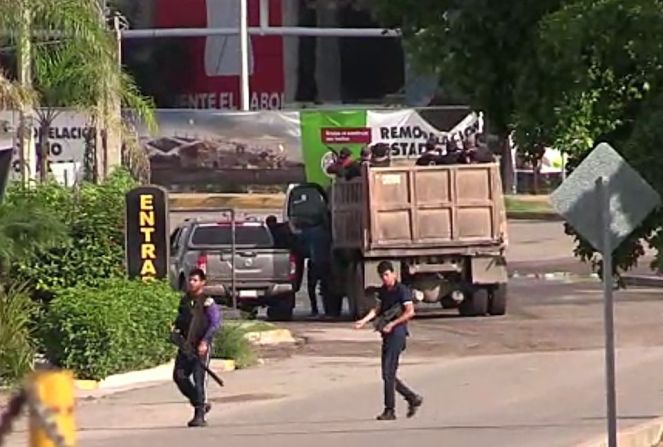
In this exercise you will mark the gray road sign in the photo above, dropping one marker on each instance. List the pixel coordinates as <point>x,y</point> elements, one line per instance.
<point>605,199</point>
<point>631,197</point>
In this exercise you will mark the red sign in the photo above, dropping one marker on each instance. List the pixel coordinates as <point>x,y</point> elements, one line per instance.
<point>346,135</point>
<point>210,75</point>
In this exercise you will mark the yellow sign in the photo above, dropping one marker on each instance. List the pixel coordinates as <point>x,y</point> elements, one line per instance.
<point>147,234</point>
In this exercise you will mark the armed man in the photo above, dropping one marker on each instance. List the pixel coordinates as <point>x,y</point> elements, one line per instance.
<point>392,312</point>
<point>197,321</point>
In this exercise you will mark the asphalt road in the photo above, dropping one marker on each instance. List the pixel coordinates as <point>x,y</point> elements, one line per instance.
<point>546,400</point>
<point>531,378</point>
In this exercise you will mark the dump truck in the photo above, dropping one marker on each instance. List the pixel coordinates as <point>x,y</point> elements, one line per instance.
<point>444,229</point>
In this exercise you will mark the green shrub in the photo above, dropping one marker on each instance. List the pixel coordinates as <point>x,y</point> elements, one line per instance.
<point>94,218</point>
<point>16,349</point>
<point>230,343</point>
<point>117,326</point>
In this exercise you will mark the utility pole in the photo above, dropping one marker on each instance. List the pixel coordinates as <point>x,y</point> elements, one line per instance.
<point>244,53</point>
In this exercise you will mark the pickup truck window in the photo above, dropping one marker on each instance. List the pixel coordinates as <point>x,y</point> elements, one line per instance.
<point>245,235</point>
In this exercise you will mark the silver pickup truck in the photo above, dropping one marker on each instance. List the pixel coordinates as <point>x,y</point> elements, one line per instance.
<point>263,274</point>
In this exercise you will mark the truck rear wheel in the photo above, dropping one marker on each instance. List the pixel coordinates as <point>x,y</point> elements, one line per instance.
<point>475,304</point>
<point>498,298</point>
<point>359,302</point>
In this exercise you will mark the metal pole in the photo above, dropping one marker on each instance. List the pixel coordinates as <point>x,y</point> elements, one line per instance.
<point>609,324</point>
<point>233,255</point>
<point>244,54</point>
<point>260,31</point>
<point>264,14</point>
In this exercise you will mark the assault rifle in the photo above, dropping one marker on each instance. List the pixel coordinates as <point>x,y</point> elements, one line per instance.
<point>178,340</point>
<point>387,316</point>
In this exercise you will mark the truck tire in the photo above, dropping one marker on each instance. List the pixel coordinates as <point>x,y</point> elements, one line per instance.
<point>475,304</point>
<point>359,302</point>
<point>498,298</point>
<point>282,308</point>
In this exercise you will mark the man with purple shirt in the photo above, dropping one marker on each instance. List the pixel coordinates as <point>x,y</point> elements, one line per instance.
<point>198,320</point>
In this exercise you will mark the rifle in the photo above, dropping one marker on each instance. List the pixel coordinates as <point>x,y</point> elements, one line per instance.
<point>387,316</point>
<point>178,340</point>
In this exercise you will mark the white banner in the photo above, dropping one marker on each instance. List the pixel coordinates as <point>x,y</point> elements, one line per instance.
<point>66,139</point>
<point>406,132</point>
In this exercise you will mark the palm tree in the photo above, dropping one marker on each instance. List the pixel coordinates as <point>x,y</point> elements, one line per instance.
<point>13,95</point>
<point>76,64</point>
<point>25,228</point>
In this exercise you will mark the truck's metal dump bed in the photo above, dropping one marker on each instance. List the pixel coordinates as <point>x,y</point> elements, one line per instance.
<point>420,208</point>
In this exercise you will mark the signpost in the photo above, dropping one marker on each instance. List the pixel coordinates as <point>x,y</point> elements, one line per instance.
<point>605,199</point>
<point>147,233</point>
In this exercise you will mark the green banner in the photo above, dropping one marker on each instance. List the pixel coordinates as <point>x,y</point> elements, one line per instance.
<point>316,153</point>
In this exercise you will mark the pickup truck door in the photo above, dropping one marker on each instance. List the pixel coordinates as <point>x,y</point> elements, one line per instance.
<point>174,268</point>
<point>305,202</point>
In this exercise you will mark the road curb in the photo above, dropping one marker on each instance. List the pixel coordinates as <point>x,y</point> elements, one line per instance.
<point>161,373</point>
<point>648,434</point>
<point>271,337</point>
<point>643,280</point>
<point>552,276</point>
<point>534,215</point>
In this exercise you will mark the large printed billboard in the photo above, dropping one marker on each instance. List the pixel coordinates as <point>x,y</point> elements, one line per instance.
<point>212,150</point>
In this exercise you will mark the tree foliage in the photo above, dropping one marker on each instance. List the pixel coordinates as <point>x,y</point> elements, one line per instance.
<point>75,64</point>
<point>561,73</point>
<point>477,46</point>
<point>27,229</point>
<point>93,217</point>
<point>596,77</point>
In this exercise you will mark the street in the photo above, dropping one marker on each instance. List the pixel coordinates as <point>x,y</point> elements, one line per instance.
<point>531,378</point>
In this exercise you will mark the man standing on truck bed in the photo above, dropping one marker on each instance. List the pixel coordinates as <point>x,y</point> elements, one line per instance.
<point>198,320</point>
<point>393,293</point>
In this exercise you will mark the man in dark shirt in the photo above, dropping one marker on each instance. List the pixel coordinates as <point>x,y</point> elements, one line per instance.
<point>344,166</point>
<point>393,293</point>
<point>283,237</point>
<point>197,321</point>
<point>431,155</point>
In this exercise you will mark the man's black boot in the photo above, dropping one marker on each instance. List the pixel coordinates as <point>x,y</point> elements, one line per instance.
<point>208,407</point>
<point>413,406</point>
<point>198,418</point>
<point>387,415</point>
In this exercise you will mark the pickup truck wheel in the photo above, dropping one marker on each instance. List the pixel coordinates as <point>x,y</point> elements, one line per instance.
<point>498,298</point>
<point>475,304</point>
<point>282,309</point>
